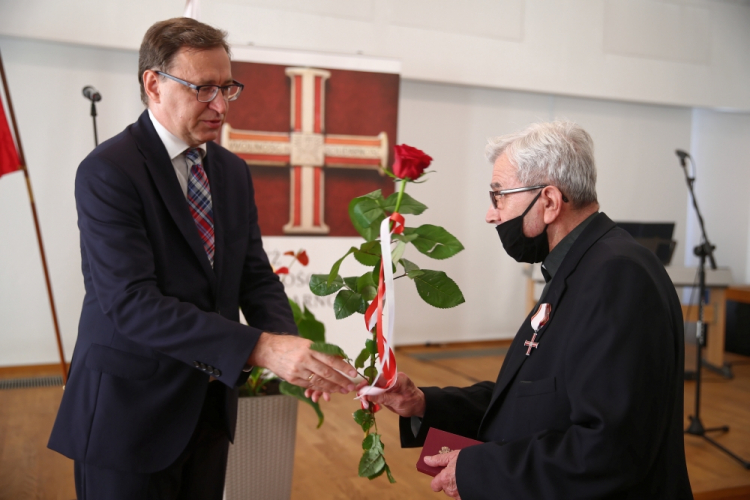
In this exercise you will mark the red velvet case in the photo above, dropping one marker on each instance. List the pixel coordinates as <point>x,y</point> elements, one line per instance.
<point>435,441</point>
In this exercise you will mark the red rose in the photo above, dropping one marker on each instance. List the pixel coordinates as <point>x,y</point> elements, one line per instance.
<point>410,162</point>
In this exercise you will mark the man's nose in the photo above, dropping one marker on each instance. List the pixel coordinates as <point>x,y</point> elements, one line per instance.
<point>219,104</point>
<point>493,216</point>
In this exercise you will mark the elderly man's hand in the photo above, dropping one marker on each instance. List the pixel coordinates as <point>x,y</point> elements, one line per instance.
<point>446,480</point>
<point>404,398</point>
<point>291,358</point>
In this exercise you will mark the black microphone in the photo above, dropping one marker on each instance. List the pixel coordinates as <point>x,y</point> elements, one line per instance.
<point>91,94</point>
<point>682,154</point>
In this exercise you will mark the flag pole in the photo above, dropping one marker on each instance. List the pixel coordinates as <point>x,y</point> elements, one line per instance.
<point>22,159</point>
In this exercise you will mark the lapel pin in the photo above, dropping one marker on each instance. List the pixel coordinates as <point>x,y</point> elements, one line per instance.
<point>537,322</point>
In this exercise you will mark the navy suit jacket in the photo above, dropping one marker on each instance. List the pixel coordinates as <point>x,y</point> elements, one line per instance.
<point>157,320</point>
<point>596,410</point>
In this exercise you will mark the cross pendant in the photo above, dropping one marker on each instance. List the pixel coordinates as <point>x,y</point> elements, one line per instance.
<point>531,344</point>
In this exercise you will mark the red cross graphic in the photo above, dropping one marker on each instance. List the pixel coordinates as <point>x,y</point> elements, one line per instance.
<point>307,149</point>
<point>531,344</point>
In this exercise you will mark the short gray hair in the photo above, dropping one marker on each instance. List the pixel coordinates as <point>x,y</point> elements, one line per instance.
<point>559,153</point>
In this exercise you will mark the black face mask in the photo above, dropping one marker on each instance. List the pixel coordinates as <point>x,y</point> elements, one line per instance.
<point>518,245</point>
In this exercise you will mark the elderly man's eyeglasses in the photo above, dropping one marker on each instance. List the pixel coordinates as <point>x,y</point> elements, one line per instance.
<point>207,93</point>
<point>499,195</point>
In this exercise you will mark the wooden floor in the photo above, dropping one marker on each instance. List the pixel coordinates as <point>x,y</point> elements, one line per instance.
<point>326,459</point>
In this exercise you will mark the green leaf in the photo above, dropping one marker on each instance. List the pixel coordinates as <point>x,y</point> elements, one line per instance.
<point>367,209</point>
<point>368,253</point>
<point>319,284</point>
<point>368,293</point>
<point>365,280</point>
<point>408,204</point>
<point>334,274</point>
<point>362,358</point>
<point>415,273</point>
<point>398,252</point>
<point>434,241</point>
<point>438,290</point>
<point>331,349</point>
<point>371,463</point>
<point>391,479</point>
<point>409,265</point>
<point>299,393</point>
<point>371,346</point>
<point>296,311</point>
<point>347,303</point>
<point>364,418</point>
<point>376,274</point>
<point>370,372</point>
<point>372,442</point>
<point>351,282</point>
<point>406,238</point>
<point>310,328</point>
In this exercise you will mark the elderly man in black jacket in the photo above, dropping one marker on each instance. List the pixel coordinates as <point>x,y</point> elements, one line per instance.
<point>590,405</point>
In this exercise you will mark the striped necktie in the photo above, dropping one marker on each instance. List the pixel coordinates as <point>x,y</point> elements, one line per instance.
<point>199,201</point>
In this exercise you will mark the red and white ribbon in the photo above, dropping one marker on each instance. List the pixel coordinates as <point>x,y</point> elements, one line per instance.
<point>385,302</point>
<point>541,317</point>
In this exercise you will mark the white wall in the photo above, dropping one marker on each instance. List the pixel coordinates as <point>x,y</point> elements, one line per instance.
<point>683,52</point>
<point>721,151</point>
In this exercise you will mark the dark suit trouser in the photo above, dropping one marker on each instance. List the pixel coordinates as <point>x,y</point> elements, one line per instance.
<point>197,474</point>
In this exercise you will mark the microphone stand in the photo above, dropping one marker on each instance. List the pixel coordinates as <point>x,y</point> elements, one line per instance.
<point>93,117</point>
<point>703,251</point>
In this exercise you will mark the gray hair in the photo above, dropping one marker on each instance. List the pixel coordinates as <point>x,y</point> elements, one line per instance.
<point>559,153</point>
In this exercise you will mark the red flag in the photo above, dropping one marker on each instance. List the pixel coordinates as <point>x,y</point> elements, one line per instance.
<point>8,154</point>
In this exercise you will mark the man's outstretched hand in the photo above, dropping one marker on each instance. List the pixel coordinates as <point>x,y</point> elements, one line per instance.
<point>291,358</point>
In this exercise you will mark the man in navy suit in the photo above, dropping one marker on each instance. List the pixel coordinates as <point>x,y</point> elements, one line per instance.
<point>171,250</point>
<point>589,400</point>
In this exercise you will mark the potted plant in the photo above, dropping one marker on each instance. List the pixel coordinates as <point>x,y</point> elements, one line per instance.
<point>267,421</point>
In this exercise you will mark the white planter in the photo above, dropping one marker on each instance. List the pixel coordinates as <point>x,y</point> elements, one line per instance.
<point>261,460</point>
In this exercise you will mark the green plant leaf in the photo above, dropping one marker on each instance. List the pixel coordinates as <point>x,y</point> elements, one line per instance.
<point>408,204</point>
<point>368,293</point>
<point>362,358</point>
<point>351,282</point>
<point>370,372</point>
<point>334,274</point>
<point>319,284</point>
<point>371,463</point>
<point>327,348</point>
<point>347,303</point>
<point>434,241</point>
<point>398,251</point>
<point>415,273</point>
<point>364,418</point>
<point>391,479</point>
<point>376,274</point>
<point>438,290</point>
<point>310,328</point>
<point>367,209</point>
<point>409,265</point>
<point>368,253</point>
<point>371,346</point>
<point>296,311</point>
<point>299,393</point>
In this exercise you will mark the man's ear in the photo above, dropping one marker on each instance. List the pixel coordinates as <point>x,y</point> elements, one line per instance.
<point>552,202</point>
<point>151,86</point>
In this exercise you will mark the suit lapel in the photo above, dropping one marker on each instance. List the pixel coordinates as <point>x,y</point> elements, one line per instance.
<point>160,167</point>
<point>215,174</point>
<point>516,356</point>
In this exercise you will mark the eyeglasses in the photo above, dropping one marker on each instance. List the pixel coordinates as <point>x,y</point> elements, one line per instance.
<point>207,93</point>
<point>494,195</point>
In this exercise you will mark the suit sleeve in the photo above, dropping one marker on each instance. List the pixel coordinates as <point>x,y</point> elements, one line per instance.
<point>620,374</point>
<point>451,409</point>
<point>120,259</point>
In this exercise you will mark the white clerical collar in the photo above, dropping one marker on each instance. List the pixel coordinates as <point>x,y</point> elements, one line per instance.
<point>174,145</point>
